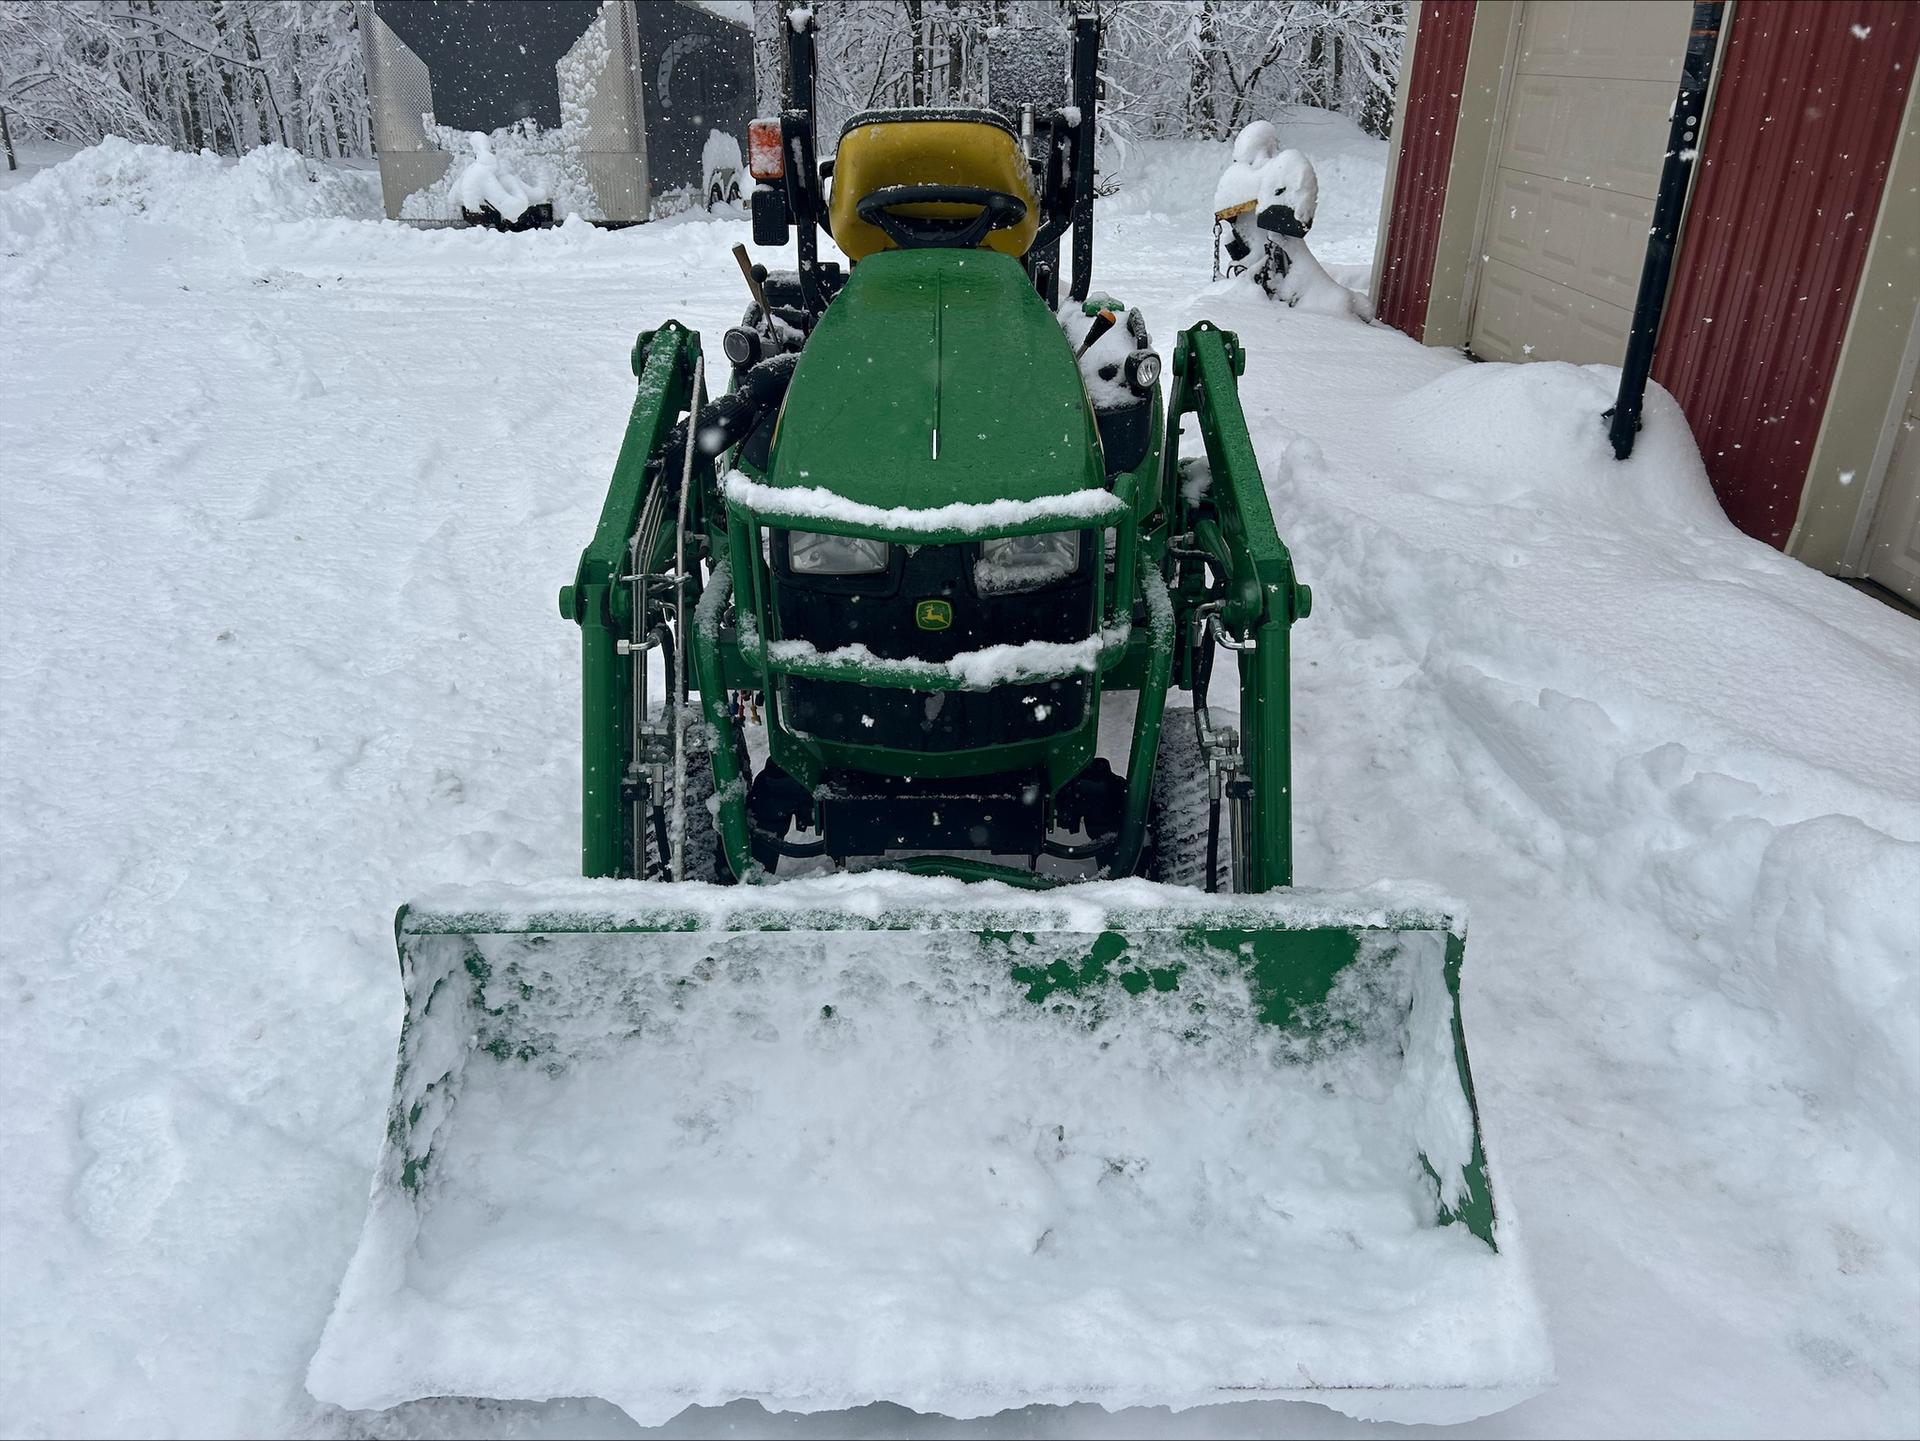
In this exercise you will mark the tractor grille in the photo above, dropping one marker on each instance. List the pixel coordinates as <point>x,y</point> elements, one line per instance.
<point>878,611</point>
<point>911,720</point>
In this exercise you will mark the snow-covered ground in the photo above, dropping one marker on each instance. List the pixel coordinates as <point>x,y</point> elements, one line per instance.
<point>285,497</point>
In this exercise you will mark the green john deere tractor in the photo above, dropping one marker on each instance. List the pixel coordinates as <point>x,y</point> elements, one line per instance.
<point>858,1068</point>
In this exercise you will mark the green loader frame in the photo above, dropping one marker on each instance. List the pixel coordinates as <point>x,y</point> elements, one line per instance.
<point>1209,567</point>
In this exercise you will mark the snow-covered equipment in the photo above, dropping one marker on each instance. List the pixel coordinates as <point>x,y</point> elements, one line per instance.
<point>1265,189</point>
<point>721,169</point>
<point>491,194</point>
<point>1005,1076</point>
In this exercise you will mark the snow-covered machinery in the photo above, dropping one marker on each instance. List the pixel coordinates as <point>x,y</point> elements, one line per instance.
<point>1009,1076</point>
<point>1263,207</point>
<point>1265,197</point>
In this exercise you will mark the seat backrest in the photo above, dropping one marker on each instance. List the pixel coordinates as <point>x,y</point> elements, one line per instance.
<point>927,147</point>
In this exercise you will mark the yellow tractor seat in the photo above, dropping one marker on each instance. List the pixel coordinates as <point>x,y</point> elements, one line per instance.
<point>887,158</point>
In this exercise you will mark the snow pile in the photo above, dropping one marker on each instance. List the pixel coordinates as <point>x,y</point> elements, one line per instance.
<point>1807,919</point>
<point>1690,763</point>
<point>521,164</point>
<point>1527,435</point>
<point>90,199</point>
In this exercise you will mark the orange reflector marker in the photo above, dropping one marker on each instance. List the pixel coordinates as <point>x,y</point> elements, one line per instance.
<point>766,156</point>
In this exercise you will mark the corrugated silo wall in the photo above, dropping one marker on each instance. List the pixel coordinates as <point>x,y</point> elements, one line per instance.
<point>1795,157</point>
<point>1439,62</point>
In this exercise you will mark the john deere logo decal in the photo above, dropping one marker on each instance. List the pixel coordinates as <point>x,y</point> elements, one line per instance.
<point>933,615</point>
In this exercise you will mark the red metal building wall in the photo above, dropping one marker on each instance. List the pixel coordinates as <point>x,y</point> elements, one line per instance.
<point>1426,152</point>
<point>1809,104</point>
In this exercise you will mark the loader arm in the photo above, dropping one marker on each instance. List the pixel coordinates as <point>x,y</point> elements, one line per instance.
<point>1254,598</point>
<point>600,600</point>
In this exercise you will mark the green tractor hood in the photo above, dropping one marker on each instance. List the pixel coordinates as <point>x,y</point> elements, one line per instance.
<point>937,376</point>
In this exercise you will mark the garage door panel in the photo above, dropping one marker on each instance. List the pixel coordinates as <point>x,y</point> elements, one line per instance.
<point>1546,37</point>
<point>1610,133</point>
<point>1616,248</point>
<point>1588,240</point>
<point>1501,313</point>
<point>1520,204</point>
<point>1582,145</point>
<point>1562,239</point>
<point>1621,40</point>
<point>1536,132</point>
<point>1599,334</point>
<point>1893,542</point>
<point>1630,147</point>
<point>1522,316</point>
<point>1515,218</point>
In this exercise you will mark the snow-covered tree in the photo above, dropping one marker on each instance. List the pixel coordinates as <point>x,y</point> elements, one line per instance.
<point>1207,67</point>
<point>224,75</point>
<point>1170,67</point>
<point>231,74</point>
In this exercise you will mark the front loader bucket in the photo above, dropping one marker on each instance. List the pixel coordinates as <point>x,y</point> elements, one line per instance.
<point>962,1148</point>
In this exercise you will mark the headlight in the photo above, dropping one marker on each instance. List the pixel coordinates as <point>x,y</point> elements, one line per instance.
<point>812,554</point>
<point>1143,370</point>
<point>742,347</point>
<point>1026,562</point>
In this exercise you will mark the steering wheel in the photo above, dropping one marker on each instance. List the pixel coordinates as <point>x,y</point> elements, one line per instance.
<point>998,211</point>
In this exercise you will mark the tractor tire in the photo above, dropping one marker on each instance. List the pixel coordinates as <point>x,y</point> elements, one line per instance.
<point>706,855</point>
<point>1176,851</point>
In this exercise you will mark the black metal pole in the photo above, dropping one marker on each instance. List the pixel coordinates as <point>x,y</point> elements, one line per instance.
<point>803,175</point>
<point>1683,141</point>
<point>1086,95</point>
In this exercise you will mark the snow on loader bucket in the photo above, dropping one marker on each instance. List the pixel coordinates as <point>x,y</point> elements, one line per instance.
<point>959,1147</point>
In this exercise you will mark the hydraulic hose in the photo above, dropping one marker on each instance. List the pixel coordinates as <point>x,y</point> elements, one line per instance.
<point>728,419</point>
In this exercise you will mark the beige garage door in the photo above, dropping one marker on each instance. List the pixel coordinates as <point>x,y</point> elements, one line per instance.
<point>1893,545</point>
<point>1581,148</point>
